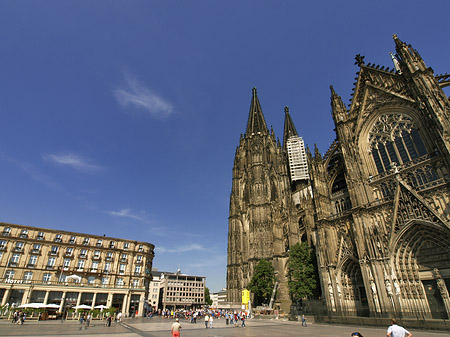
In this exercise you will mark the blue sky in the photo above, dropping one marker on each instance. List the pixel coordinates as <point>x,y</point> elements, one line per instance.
<point>122,117</point>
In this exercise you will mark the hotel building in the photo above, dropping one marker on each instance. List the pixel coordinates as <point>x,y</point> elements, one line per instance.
<point>66,268</point>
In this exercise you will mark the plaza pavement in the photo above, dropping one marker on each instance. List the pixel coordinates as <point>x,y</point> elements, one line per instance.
<point>158,327</point>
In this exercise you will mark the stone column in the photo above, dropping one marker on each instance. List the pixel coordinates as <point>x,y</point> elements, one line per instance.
<point>94,298</point>
<point>109,300</point>
<point>141,306</point>
<point>63,298</point>
<point>46,297</point>
<point>26,295</point>
<point>6,296</point>
<point>79,298</point>
<point>126,304</point>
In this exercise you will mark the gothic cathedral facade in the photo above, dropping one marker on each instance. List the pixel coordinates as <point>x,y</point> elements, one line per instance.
<point>376,206</point>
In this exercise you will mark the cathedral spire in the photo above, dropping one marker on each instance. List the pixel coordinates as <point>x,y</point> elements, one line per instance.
<point>256,122</point>
<point>289,127</point>
<point>409,58</point>
<point>339,111</point>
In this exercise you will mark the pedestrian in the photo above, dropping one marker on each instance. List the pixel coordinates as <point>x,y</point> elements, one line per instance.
<point>243,321</point>
<point>304,321</point>
<point>108,321</point>
<point>176,327</point>
<point>210,321</point>
<point>397,331</point>
<point>206,321</point>
<point>88,319</point>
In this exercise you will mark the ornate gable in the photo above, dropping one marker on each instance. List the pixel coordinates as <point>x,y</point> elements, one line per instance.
<point>410,206</point>
<point>375,89</point>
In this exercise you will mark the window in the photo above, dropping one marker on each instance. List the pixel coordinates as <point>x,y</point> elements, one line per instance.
<point>94,265</point>
<point>40,236</point>
<point>124,257</point>
<point>24,233</point>
<point>120,282</point>
<point>80,265</point>
<point>112,244</point>
<point>66,263</point>
<point>37,248</point>
<point>91,279</point>
<point>108,267</point>
<point>83,253</point>
<point>69,251</point>
<point>1,255</point>
<point>86,241</point>
<point>51,262</point>
<point>141,248</point>
<point>58,238</point>
<point>28,276</point>
<point>135,283</point>
<point>2,244</point>
<point>139,259</point>
<point>47,277</point>
<point>19,246</point>
<point>97,254</point>
<point>109,255</point>
<point>54,250</point>
<point>137,270</point>
<point>7,231</point>
<point>105,280</point>
<point>33,260</point>
<point>9,274</point>
<point>394,140</point>
<point>73,239</point>
<point>99,243</point>
<point>122,268</point>
<point>14,259</point>
<point>126,245</point>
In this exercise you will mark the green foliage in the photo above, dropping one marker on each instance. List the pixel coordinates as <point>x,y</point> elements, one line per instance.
<point>262,282</point>
<point>301,274</point>
<point>208,299</point>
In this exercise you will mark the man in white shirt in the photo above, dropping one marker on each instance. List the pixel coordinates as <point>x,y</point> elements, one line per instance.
<point>176,327</point>
<point>397,331</point>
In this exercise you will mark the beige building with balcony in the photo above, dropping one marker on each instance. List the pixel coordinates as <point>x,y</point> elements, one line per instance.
<point>67,268</point>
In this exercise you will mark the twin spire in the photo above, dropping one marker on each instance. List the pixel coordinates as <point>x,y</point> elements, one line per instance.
<point>256,122</point>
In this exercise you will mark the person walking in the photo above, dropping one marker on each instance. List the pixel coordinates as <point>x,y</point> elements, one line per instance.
<point>206,321</point>
<point>243,321</point>
<point>397,331</point>
<point>88,319</point>
<point>175,329</point>
<point>304,321</point>
<point>211,321</point>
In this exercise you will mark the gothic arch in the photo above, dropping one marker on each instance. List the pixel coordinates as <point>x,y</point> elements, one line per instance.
<point>420,248</point>
<point>388,125</point>
<point>350,286</point>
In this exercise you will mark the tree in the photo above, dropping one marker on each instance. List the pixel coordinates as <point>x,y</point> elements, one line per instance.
<point>301,274</point>
<point>262,282</point>
<point>208,299</point>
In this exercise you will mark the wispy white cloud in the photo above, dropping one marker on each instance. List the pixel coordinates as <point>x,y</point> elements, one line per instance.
<point>127,213</point>
<point>73,161</point>
<point>181,249</point>
<point>33,172</point>
<point>135,94</point>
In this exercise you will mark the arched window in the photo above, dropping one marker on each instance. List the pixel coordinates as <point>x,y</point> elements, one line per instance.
<point>394,140</point>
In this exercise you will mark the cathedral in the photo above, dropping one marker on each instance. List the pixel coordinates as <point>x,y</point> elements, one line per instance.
<point>375,207</point>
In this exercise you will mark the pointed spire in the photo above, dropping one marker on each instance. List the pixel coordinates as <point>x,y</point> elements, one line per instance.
<point>256,122</point>
<point>410,60</point>
<point>396,64</point>
<point>289,127</point>
<point>339,111</point>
